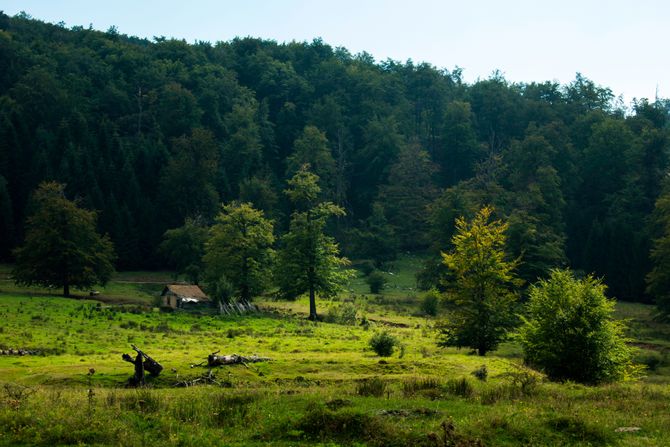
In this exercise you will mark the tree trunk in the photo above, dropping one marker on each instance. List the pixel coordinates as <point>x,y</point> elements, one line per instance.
<point>66,289</point>
<point>312,304</point>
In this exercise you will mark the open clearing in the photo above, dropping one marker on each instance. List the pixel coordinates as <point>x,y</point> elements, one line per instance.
<point>323,386</point>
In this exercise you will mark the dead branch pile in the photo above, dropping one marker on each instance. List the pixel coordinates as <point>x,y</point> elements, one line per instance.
<point>237,308</point>
<point>12,351</point>
<point>206,379</point>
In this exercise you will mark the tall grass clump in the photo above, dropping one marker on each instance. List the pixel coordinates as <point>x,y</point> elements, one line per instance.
<point>371,387</point>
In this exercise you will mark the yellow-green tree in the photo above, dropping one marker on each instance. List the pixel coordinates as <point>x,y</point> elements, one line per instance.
<point>480,285</point>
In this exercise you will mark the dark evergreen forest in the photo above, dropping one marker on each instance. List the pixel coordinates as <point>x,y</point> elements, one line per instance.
<point>151,133</point>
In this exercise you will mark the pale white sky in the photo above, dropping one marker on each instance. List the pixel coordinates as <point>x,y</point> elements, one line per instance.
<point>618,44</point>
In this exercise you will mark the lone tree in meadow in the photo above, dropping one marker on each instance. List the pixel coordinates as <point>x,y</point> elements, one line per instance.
<point>480,285</point>
<point>569,331</point>
<point>238,255</point>
<point>309,259</point>
<point>62,247</point>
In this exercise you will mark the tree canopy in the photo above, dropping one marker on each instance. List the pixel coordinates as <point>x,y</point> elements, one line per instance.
<point>62,247</point>
<point>153,132</point>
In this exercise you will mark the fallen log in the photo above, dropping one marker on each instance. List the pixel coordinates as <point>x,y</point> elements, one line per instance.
<point>214,359</point>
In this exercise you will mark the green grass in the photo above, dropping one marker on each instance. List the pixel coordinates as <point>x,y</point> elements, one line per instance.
<point>313,392</point>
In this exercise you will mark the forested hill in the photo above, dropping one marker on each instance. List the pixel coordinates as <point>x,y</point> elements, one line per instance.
<point>152,132</point>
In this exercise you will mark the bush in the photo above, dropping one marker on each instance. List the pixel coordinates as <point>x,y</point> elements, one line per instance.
<point>376,280</point>
<point>430,302</point>
<point>569,331</point>
<point>481,373</point>
<point>383,344</point>
<point>346,313</point>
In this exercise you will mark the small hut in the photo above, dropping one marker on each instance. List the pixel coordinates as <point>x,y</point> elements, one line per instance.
<point>179,296</point>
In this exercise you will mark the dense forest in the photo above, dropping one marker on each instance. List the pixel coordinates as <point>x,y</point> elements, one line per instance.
<point>151,133</point>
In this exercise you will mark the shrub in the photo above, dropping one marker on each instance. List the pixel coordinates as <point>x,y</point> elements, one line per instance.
<point>346,313</point>
<point>430,302</point>
<point>376,280</point>
<point>383,344</point>
<point>570,334</point>
<point>481,373</point>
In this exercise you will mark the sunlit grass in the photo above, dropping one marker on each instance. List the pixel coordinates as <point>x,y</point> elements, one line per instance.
<point>312,364</point>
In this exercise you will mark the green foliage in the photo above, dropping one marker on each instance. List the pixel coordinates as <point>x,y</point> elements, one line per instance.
<point>184,248</point>
<point>376,238</point>
<point>430,302</point>
<point>62,247</point>
<point>409,191</point>
<point>6,220</point>
<point>311,148</point>
<point>308,259</point>
<point>375,386</point>
<point>239,252</point>
<point>366,267</point>
<point>460,387</point>
<point>187,181</point>
<point>383,343</point>
<point>345,313</point>
<point>658,280</point>
<point>376,281</point>
<point>569,332</point>
<point>153,132</point>
<point>480,285</point>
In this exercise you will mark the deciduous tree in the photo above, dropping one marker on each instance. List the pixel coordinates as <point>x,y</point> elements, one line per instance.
<point>480,285</point>
<point>62,247</point>
<point>309,259</point>
<point>239,251</point>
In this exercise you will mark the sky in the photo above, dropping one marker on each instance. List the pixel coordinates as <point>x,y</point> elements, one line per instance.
<point>618,44</point>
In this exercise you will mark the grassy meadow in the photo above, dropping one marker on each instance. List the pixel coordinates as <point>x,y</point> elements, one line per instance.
<point>323,386</point>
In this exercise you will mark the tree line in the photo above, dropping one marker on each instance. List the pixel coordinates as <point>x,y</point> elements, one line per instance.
<point>155,134</point>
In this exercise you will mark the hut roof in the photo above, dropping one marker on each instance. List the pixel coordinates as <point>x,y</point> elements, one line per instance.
<point>186,291</point>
